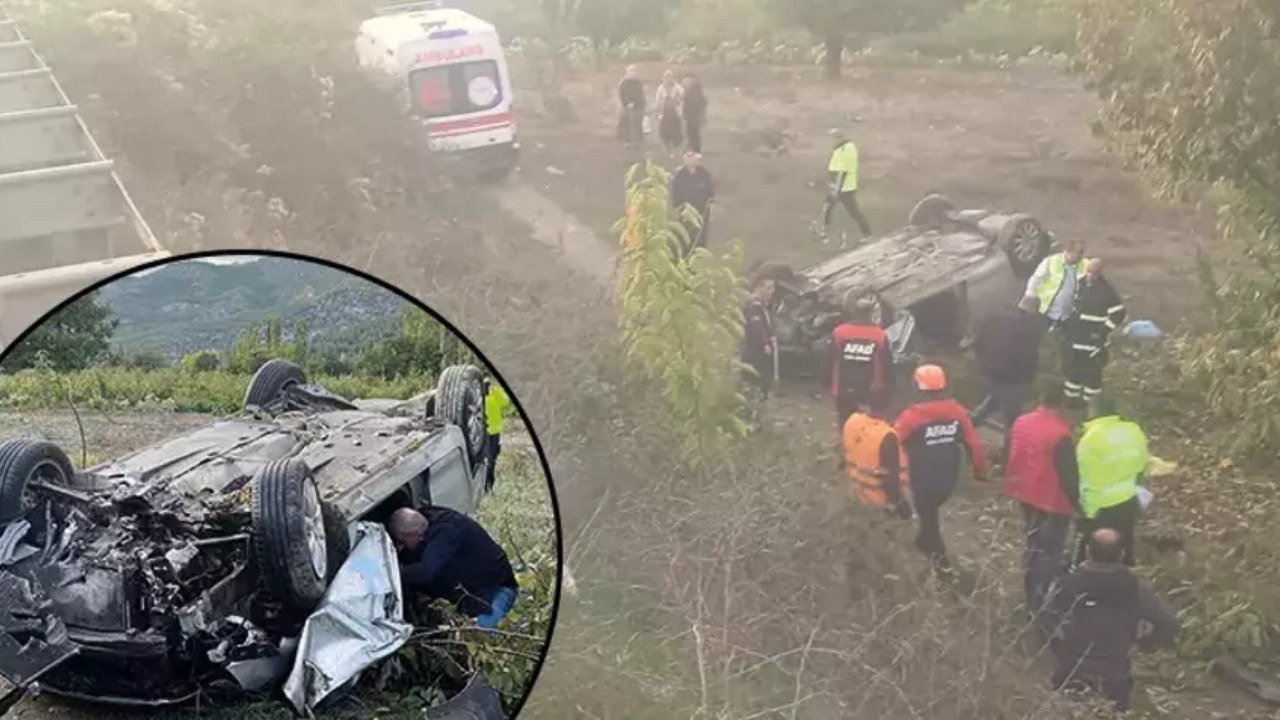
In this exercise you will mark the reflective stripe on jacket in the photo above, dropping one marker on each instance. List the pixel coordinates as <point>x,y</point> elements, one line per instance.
<point>495,404</point>
<point>1031,476</point>
<point>863,437</point>
<point>1048,289</point>
<point>844,163</point>
<point>1112,454</point>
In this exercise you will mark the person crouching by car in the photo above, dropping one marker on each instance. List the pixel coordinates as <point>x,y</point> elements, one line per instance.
<point>862,362</point>
<point>758,343</point>
<point>445,555</point>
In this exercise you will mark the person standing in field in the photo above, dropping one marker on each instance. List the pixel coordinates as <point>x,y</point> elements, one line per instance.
<point>1099,311</point>
<point>1113,456</point>
<point>631,95</point>
<point>692,187</point>
<point>496,403</point>
<point>1043,477</point>
<point>758,345</point>
<point>1103,612</point>
<point>695,112</point>
<point>862,362</point>
<point>843,168</point>
<point>668,104</point>
<point>934,434</point>
<point>1008,350</point>
<point>872,459</point>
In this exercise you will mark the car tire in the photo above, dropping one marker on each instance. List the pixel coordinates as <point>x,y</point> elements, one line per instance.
<point>931,211</point>
<point>271,380</point>
<point>460,401</point>
<point>20,462</point>
<point>477,701</point>
<point>1025,243</point>
<point>290,534</point>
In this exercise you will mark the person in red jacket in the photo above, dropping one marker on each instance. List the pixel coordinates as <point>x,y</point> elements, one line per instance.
<point>862,363</point>
<point>934,433</point>
<point>1043,477</point>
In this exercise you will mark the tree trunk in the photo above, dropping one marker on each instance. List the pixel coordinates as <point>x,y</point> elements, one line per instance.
<point>832,56</point>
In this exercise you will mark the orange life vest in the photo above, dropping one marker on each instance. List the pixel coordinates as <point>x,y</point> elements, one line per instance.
<point>863,436</point>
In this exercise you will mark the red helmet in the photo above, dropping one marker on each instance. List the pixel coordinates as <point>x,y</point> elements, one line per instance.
<point>930,378</point>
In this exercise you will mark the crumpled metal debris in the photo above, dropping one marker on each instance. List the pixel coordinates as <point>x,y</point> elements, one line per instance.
<point>359,622</point>
<point>12,549</point>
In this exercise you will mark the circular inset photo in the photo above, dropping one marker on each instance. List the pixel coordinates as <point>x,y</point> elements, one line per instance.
<point>271,485</point>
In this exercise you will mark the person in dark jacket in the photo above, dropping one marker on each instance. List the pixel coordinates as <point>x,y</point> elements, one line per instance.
<point>693,187</point>
<point>695,112</point>
<point>1042,475</point>
<point>446,555</point>
<point>934,433</point>
<point>1008,350</point>
<point>758,345</point>
<point>862,362</point>
<point>1097,313</point>
<point>1103,611</point>
<point>631,118</point>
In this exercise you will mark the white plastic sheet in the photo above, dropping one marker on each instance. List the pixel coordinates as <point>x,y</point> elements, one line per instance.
<point>359,622</point>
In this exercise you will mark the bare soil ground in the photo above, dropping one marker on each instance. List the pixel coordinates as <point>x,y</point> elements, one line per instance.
<point>1009,140</point>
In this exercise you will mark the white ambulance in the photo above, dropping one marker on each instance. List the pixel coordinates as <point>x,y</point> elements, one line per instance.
<point>452,67</point>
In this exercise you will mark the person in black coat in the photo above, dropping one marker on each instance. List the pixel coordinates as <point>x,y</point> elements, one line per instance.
<point>693,187</point>
<point>695,112</point>
<point>1103,611</point>
<point>758,343</point>
<point>633,101</point>
<point>1008,349</point>
<point>445,555</point>
<point>1098,312</point>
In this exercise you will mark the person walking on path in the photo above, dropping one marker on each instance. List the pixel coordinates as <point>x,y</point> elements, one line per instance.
<point>1007,346</point>
<point>1113,456</point>
<point>1103,612</point>
<point>1042,476</point>
<point>758,344</point>
<point>843,168</point>
<point>1055,281</point>
<point>934,433</point>
<point>873,461</point>
<point>496,403</point>
<point>1098,312</point>
<point>693,187</point>
<point>668,102</point>
<point>695,112</point>
<point>631,96</point>
<point>862,362</point>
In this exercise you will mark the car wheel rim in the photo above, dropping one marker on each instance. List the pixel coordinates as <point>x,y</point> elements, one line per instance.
<point>477,427</point>
<point>45,471</point>
<point>313,528</point>
<point>1026,241</point>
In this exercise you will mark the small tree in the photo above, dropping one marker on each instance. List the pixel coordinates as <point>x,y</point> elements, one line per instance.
<point>1189,91</point>
<point>73,338</point>
<point>838,22</point>
<point>203,361</point>
<point>680,318</point>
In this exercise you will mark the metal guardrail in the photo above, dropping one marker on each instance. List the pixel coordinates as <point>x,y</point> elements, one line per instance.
<point>65,219</point>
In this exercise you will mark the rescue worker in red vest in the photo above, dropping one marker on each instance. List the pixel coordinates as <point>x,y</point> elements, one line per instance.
<point>1113,456</point>
<point>1103,612</point>
<point>1098,312</point>
<point>862,367</point>
<point>934,433</point>
<point>873,461</point>
<point>1043,477</point>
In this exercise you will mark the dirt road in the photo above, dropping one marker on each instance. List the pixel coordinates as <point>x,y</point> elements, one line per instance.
<point>1015,140</point>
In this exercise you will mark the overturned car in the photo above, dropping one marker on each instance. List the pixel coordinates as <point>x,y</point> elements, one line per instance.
<point>182,568</point>
<point>916,278</point>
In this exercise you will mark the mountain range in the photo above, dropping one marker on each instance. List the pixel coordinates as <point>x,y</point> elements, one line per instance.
<point>193,305</point>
